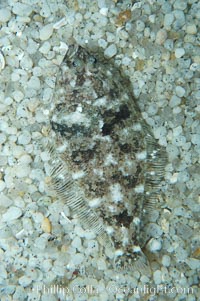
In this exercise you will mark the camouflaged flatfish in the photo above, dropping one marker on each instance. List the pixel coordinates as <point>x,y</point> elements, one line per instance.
<point>106,164</point>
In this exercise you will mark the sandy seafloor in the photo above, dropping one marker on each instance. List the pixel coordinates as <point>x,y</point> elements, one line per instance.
<point>156,43</point>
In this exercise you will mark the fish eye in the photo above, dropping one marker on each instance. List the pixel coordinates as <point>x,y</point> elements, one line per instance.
<point>92,60</point>
<point>77,63</point>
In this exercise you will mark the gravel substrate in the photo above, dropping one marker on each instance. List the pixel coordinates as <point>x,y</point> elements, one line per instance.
<point>46,255</point>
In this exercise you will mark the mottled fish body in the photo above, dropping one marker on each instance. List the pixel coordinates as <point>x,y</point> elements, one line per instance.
<point>106,164</point>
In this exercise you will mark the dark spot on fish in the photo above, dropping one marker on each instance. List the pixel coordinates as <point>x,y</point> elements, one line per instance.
<point>124,219</point>
<point>68,131</point>
<point>82,156</point>
<point>125,148</point>
<point>112,118</point>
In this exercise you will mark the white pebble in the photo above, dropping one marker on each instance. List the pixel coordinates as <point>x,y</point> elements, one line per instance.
<point>24,138</point>
<point>193,263</point>
<point>38,217</point>
<point>26,62</point>
<point>126,61</point>
<point>5,201</point>
<point>3,125</point>
<point>37,71</point>
<point>154,245</point>
<point>77,258</point>
<point>22,170</point>
<point>46,265</point>
<point>180,4</point>
<point>2,138</point>
<point>174,178</point>
<point>179,141</point>
<point>76,243</point>
<point>168,20</point>
<point>2,62</point>
<point>176,110</point>
<point>181,211</point>
<point>154,230</point>
<point>22,111</point>
<point>153,109</point>
<point>18,95</point>
<point>19,202</point>
<point>197,94</point>
<point>177,131</point>
<point>40,117</point>
<point>60,23</point>
<point>17,151</point>
<point>101,3</point>
<point>45,11</point>
<point>140,26</point>
<point>46,32</point>
<point>104,11</point>
<point>89,234</point>
<point>169,44</point>
<point>157,276</point>
<point>3,160</point>
<point>166,260</point>
<point>196,139</point>
<point>32,46</point>
<point>144,279</point>
<point>22,9</point>
<point>194,67</point>
<point>160,132</point>
<point>191,29</point>
<point>48,297</point>
<point>110,51</point>
<point>11,214</point>
<point>45,48</point>
<point>4,15</point>
<point>45,156</point>
<point>25,281</point>
<point>179,52</point>
<point>147,32</point>
<point>34,83</point>
<point>3,272</point>
<point>8,101</point>
<point>47,94</point>
<point>37,174</point>
<point>174,101</point>
<point>152,18</point>
<point>180,91</point>
<point>102,43</point>
<point>40,242</point>
<point>141,155</point>
<point>92,246</point>
<point>101,264</point>
<point>15,76</point>
<point>2,185</point>
<point>161,36</point>
<point>19,293</point>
